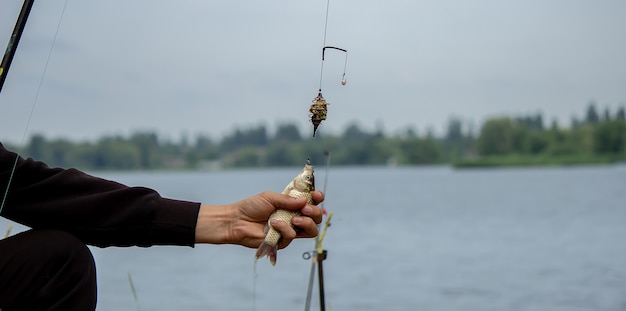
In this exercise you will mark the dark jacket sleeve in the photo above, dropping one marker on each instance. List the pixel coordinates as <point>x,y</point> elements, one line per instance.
<point>98,211</point>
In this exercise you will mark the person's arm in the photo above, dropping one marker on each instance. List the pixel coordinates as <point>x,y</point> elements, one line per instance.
<point>98,211</point>
<point>106,213</point>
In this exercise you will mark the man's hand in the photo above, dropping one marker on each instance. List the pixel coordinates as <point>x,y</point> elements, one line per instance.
<point>244,222</point>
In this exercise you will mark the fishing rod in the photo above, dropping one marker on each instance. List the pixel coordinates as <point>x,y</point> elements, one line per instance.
<point>319,251</point>
<point>317,256</point>
<point>9,53</point>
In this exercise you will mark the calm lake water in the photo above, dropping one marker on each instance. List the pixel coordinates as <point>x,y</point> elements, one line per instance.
<point>430,238</point>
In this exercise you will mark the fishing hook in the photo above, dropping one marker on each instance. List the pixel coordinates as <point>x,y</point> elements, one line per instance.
<point>345,64</point>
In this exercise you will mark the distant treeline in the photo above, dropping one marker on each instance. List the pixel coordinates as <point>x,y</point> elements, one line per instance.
<point>598,137</point>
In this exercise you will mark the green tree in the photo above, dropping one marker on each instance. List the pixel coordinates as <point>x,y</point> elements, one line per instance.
<point>60,153</point>
<point>283,154</point>
<point>116,153</point>
<point>148,146</point>
<point>354,133</point>
<point>456,144</point>
<point>621,114</point>
<point>592,116</point>
<point>531,122</point>
<point>583,138</point>
<point>418,150</point>
<point>497,137</point>
<point>287,133</point>
<point>559,141</point>
<point>535,142</point>
<point>206,148</point>
<point>255,136</point>
<point>610,137</point>
<point>37,147</point>
<point>247,157</point>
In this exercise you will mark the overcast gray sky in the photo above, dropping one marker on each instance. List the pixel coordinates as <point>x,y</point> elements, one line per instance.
<point>207,66</point>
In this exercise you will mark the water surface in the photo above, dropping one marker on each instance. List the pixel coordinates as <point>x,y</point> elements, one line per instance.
<point>429,238</point>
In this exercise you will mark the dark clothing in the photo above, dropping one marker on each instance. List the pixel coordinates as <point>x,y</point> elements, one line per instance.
<point>46,270</point>
<point>97,211</point>
<point>68,208</point>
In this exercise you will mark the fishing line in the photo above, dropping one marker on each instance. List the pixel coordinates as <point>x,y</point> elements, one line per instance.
<point>32,108</point>
<point>324,47</point>
<point>319,108</point>
<point>324,43</point>
<point>319,111</point>
<point>254,280</point>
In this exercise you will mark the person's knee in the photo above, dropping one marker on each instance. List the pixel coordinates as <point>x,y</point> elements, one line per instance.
<point>52,247</point>
<point>57,270</point>
<point>70,254</point>
<point>61,246</point>
<point>74,273</point>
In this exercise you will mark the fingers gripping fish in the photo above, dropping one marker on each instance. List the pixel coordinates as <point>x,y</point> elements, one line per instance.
<point>302,186</point>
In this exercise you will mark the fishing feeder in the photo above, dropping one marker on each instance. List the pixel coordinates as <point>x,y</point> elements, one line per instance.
<point>319,108</point>
<point>318,111</point>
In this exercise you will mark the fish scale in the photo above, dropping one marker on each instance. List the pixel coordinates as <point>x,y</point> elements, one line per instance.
<point>274,236</point>
<point>302,186</point>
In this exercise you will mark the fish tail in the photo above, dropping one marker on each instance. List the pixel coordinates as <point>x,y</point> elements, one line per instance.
<point>267,250</point>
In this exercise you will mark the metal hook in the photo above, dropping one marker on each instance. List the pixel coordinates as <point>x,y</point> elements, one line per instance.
<point>343,78</point>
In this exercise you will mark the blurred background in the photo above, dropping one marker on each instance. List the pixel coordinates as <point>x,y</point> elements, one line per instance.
<point>188,68</point>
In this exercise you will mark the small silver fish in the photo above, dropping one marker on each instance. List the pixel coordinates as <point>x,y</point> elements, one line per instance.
<point>302,186</point>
